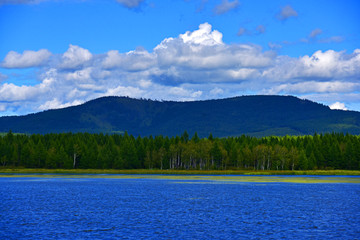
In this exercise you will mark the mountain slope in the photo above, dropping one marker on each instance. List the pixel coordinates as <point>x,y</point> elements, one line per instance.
<point>253,115</point>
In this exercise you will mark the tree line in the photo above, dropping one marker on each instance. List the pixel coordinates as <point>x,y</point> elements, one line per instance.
<point>124,151</point>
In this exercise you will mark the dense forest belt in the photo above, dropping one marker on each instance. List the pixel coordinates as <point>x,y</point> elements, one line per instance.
<point>177,172</point>
<point>249,154</point>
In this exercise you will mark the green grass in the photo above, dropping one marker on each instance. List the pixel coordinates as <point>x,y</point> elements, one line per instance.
<point>181,172</point>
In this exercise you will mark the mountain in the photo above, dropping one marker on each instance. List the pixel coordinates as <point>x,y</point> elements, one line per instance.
<point>251,115</point>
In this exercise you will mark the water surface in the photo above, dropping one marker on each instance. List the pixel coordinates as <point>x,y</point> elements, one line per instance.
<point>178,207</point>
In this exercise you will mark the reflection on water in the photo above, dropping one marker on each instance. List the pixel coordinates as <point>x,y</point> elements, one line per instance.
<point>158,207</point>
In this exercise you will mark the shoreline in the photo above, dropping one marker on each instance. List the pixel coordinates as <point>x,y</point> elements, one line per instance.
<point>183,172</point>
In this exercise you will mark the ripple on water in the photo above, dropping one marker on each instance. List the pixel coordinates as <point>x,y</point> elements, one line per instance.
<point>135,208</point>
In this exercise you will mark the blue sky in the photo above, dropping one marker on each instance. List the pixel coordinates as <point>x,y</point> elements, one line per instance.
<point>57,53</point>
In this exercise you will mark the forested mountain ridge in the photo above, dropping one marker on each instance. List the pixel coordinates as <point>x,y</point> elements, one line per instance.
<point>249,115</point>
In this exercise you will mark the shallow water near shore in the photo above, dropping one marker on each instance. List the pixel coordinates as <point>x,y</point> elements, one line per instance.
<point>58,206</point>
<point>196,178</point>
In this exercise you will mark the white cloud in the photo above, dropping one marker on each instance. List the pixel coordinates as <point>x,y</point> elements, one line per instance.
<point>203,36</point>
<point>80,75</point>
<point>130,3</point>
<point>286,12</point>
<point>137,60</point>
<point>195,65</point>
<point>25,60</point>
<point>321,65</point>
<point>55,104</point>
<point>204,49</point>
<point>319,87</point>
<point>113,59</point>
<point>145,83</point>
<point>125,91</point>
<point>11,92</point>
<point>216,91</point>
<point>225,6</point>
<point>331,64</point>
<point>2,107</point>
<point>338,105</point>
<point>74,57</point>
<point>185,94</point>
<point>242,73</point>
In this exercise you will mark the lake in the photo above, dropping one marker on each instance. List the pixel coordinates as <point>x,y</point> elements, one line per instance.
<point>178,207</point>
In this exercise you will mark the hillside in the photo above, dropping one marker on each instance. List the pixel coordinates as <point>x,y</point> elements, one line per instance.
<point>252,115</point>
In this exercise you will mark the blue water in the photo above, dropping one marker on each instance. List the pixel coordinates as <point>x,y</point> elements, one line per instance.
<point>99,208</point>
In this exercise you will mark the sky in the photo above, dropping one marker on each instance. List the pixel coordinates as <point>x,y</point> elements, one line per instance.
<point>60,53</point>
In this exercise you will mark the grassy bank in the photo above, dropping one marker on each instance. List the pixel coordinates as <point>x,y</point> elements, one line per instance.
<point>180,172</point>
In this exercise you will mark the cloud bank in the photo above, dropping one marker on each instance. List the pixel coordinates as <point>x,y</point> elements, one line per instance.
<point>192,66</point>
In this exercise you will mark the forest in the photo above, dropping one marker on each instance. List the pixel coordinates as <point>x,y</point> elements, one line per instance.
<point>250,115</point>
<point>124,151</point>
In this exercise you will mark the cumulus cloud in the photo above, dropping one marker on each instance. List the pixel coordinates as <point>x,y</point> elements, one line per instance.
<point>12,92</point>
<point>203,36</point>
<point>130,3</point>
<point>338,106</point>
<point>286,13</point>
<point>321,65</point>
<point>26,59</point>
<point>331,64</point>
<point>137,60</point>
<point>197,64</point>
<point>225,6</point>
<point>75,57</point>
<point>204,49</point>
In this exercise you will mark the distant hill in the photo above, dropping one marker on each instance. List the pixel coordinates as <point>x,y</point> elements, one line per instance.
<point>251,115</point>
